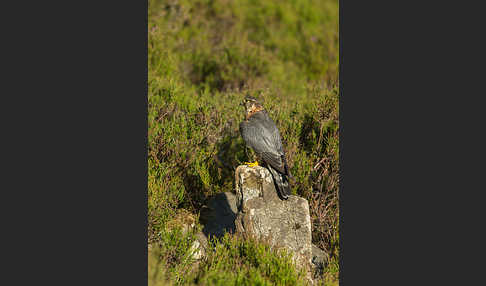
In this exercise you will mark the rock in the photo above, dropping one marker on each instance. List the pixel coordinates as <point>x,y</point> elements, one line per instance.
<point>256,210</point>
<point>199,246</point>
<point>218,216</point>
<point>197,252</point>
<point>319,260</point>
<point>262,214</point>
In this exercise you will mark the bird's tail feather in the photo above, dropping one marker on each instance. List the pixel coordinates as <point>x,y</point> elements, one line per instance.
<point>281,183</point>
<point>287,171</point>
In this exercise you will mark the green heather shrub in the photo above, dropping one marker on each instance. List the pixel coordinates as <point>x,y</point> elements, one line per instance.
<point>238,261</point>
<point>203,58</point>
<point>232,260</point>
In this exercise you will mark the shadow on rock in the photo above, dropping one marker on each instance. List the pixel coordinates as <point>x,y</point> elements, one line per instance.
<point>219,215</point>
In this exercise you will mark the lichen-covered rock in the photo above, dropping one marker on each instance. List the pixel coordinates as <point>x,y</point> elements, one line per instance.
<point>262,214</point>
<point>199,246</point>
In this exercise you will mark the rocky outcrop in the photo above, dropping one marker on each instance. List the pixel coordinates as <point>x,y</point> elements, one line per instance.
<point>217,217</point>
<point>257,210</point>
<point>262,214</point>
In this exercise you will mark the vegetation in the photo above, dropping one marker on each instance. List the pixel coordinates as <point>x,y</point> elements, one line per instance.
<point>231,261</point>
<point>203,57</point>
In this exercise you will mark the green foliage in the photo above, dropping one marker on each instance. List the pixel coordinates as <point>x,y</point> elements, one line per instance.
<point>170,257</point>
<point>232,260</point>
<point>238,261</point>
<point>203,57</point>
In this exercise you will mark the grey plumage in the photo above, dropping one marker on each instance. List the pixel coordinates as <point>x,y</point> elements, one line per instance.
<point>261,134</point>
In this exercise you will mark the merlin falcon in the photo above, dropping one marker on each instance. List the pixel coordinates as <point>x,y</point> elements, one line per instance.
<point>261,134</point>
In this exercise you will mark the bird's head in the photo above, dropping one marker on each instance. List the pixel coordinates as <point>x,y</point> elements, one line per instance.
<point>251,105</point>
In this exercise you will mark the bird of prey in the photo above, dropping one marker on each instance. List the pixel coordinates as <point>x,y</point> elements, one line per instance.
<point>261,134</point>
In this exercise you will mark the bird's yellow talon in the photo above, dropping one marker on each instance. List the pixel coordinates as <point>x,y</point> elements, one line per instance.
<point>252,164</point>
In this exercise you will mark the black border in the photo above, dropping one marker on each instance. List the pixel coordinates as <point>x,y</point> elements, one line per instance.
<point>411,126</point>
<point>80,215</point>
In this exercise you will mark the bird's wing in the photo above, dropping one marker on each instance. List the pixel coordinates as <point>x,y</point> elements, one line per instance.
<point>265,141</point>
<point>276,158</point>
<point>275,161</point>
